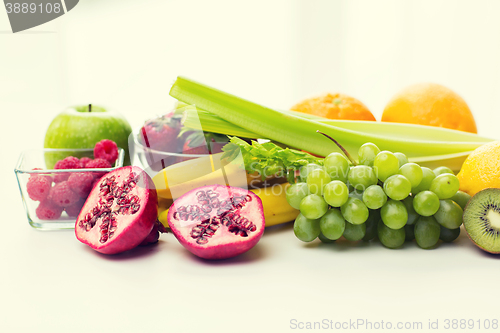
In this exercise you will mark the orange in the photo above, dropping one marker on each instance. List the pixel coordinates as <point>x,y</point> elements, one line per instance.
<point>481,169</point>
<point>430,104</point>
<point>334,106</point>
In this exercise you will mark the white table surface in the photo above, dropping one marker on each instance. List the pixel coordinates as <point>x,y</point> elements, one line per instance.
<point>50,282</point>
<point>125,53</point>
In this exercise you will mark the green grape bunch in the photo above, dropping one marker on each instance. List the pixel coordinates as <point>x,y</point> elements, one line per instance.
<point>382,196</point>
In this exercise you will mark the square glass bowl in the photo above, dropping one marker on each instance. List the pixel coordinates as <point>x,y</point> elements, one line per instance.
<point>39,162</point>
<point>153,160</point>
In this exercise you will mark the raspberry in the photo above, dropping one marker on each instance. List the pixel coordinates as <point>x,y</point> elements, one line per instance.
<point>98,163</point>
<point>96,180</point>
<point>62,195</point>
<point>69,162</point>
<point>48,176</point>
<point>81,183</point>
<point>107,150</point>
<point>84,161</point>
<point>61,177</point>
<point>47,210</point>
<point>75,208</point>
<point>38,187</point>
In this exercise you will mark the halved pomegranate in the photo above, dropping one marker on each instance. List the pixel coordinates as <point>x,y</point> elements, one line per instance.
<point>120,211</point>
<point>216,221</point>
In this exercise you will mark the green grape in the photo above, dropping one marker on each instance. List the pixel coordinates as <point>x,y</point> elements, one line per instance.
<point>313,206</point>
<point>367,153</point>
<point>445,186</point>
<point>449,214</point>
<point>337,166</point>
<point>295,193</point>
<point>354,211</point>
<point>374,197</point>
<point>425,184</point>
<point>305,170</point>
<point>336,193</point>
<point>461,198</point>
<point>426,203</point>
<point>356,194</point>
<point>316,180</point>
<point>354,232</point>
<point>397,187</point>
<point>401,158</point>
<point>362,176</point>
<point>409,232</point>
<point>442,170</point>
<point>385,165</point>
<point>427,232</point>
<point>413,172</point>
<point>412,214</point>
<point>394,214</point>
<point>325,240</point>
<point>332,224</point>
<point>391,238</point>
<point>371,225</point>
<point>306,229</point>
<point>448,235</point>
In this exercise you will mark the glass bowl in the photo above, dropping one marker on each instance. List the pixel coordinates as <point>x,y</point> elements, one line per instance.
<point>155,160</point>
<point>41,210</point>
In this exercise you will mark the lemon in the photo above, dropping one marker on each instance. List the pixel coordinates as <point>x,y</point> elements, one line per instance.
<point>481,169</point>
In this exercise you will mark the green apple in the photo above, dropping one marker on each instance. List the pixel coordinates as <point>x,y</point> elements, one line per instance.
<point>84,126</point>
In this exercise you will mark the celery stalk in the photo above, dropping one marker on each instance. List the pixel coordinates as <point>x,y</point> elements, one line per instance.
<point>212,123</point>
<point>299,132</point>
<point>408,131</point>
<point>209,122</point>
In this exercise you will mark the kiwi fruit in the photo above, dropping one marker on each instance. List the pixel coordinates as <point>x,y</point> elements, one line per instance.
<point>482,219</point>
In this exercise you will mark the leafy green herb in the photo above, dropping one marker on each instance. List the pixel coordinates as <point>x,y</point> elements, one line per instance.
<point>268,158</point>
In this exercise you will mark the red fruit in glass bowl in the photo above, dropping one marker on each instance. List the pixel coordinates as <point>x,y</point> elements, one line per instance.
<point>216,221</point>
<point>120,211</point>
<point>161,133</point>
<point>199,142</point>
<point>159,137</point>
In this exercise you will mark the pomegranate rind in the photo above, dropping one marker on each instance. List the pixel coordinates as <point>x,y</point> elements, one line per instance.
<point>223,244</point>
<point>131,229</point>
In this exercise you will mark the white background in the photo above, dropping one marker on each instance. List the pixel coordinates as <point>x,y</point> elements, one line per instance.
<point>125,54</point>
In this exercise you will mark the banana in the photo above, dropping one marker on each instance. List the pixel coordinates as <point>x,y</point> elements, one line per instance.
<point>179,178</point>
<point>276,208</point>
<point>163,206</point>
<point>162,217</point>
